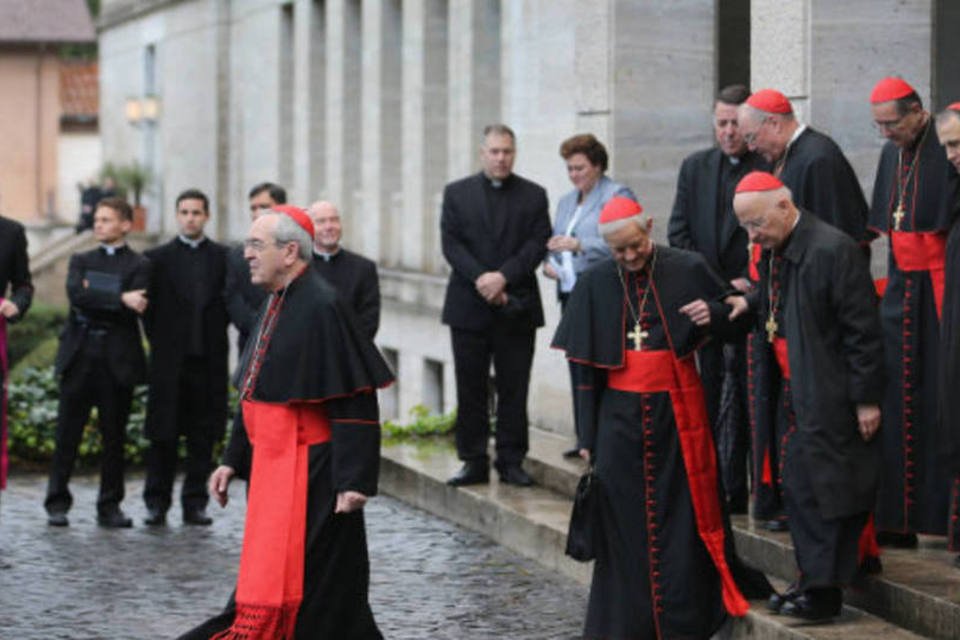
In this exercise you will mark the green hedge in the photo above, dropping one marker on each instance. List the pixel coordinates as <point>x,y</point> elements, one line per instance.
<point>41,324</point>
<point>422,423</point>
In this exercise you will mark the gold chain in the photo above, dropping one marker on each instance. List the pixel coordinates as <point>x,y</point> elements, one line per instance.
<point>635,314</point>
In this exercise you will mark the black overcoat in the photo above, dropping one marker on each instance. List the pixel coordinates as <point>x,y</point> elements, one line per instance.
<point>168,324</point>
<point>514,245</point>
<point>14,265</point>
<point>835,352</point>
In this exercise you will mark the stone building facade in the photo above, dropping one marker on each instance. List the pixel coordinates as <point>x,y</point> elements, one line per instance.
<point>376,104</point>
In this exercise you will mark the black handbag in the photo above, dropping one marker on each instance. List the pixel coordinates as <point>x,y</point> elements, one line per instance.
<point>583,536</point>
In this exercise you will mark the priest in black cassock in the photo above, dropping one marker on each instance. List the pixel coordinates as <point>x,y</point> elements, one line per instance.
<point>353,276</point>
<point>663,563</point>
<point>100,360</point>
<point>816,310</point>
<point>915,202</point>
<point>703,221</point>
<point>948,133</point>
<point>308,381</point>
<point>187,327</point>
<point>822,181</point>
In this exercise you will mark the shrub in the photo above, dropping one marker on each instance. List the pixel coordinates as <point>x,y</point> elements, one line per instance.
<point>41,323</point>
<point>423,423</point>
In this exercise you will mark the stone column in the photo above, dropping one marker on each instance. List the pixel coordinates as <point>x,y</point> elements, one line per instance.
<point>779,49</point>
<point>424,129</point>
<point>309,90</point>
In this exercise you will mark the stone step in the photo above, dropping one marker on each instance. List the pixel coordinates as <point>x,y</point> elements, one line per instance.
<point>918,589</point>
<point>533,522</point>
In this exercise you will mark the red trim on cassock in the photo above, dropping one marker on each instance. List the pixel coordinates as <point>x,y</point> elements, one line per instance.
<point>880,284</point>
<point>754,262</point>
<point>780,351</point>
<point>922,251</point>
<point>4,460</point>
<point>270,583</point>
<point>868,547</point>
<point>661,371</point>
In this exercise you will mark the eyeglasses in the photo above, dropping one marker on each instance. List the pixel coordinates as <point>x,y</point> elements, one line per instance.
<point>749,138</point>
<point>888,125</point>
<point>255,244</point>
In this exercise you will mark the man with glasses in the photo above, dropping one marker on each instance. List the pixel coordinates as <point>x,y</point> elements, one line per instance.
<point>822,182</point>
<point>703,221</point>
<point>915,204</point>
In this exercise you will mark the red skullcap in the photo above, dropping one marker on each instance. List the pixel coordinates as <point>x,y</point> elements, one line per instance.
<point>770,101</point>
<point>618,208</point>
<point>890,89</point>
<point>298,215</point>
<point>954,106</point>
<point>758,181</point>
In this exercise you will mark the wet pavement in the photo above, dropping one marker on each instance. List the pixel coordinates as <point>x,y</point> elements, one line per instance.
<point>429,578</point>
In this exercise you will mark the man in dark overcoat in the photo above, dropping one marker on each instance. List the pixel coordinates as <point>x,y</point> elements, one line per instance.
<point>186,324</point>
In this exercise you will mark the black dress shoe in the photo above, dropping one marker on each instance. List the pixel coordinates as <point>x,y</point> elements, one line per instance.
<point>58,520</point>
<point>197,517</point>
<point>870,566</point>
<point>515,475</point>
<point>470,473</point>
<point>114,520</point>
<point>777,600</point>
<point>813,608</point>
<point>155,518</point>
<point>897,540</point>
<point>777,525</point>
<point>571,453</point>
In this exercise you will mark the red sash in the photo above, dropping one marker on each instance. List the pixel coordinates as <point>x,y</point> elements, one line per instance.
<point>922,251</point>
<point>658,371</point>
<point>780,352</point>
<point>270,584</point>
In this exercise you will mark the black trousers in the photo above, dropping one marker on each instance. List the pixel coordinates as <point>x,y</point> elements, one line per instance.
<point>512,355</point>
<point>87,383</point>
<point>195,422</point>
<point>723,370</point>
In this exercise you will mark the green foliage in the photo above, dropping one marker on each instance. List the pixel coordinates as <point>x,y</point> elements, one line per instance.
<point>42,357</point>
<point>129,178</point>
<point>422,424</point>
<point>41,323</point>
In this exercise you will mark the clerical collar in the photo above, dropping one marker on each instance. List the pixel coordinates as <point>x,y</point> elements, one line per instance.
<point>734,160</point>
<point>193,244</point>
<point>112,249</point>
<point>496,183</point>
<point>323,255</point>
<point>801,127</point>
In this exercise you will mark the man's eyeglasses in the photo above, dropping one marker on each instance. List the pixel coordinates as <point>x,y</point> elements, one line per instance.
<point>255,244</point>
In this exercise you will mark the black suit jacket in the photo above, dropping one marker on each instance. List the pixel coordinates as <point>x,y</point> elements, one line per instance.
<point>14,269</point>
<point>355,279</point>
<point>696,224</point>
<point>474,243</point>
<point>97,309</point>
<point>168,326</point>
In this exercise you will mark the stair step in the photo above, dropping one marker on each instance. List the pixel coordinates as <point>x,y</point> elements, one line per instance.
<point>533,522</point>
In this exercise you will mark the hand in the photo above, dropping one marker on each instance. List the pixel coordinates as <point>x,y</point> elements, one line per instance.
<point>739,304</point>
<point>348,501</point>
<point>698,311</point>
<point>868,417</point>
<point>135,299</point>
<point>563,243</point>
<point>549,271</point>
<point>9,309</point>
<point>490,285</point>
<point>585,454</point>
<point>743,285</point>
<point>219,483</point>
<point>500,300</point>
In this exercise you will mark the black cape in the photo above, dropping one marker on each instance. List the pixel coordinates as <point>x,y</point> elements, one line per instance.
<point>355,279</point>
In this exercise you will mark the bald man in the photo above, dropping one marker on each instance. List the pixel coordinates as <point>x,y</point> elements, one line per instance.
<point>353,276</point>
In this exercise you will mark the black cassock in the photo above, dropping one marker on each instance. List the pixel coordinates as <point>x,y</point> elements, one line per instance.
<point>826,311</point>
<point>823,183</point>
<point>355,279</point>
<point>314,353</point>
<point>915,482</point>
<point>654,576</point>
<point>950,379</point>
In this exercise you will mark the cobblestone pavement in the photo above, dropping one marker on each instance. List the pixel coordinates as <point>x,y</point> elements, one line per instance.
<point>429,579</point>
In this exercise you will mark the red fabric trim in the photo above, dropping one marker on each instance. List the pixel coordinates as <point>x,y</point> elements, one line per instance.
<point>4,460</point>
<point>880,284</point>
<point>922,251</point>
<point>645,368</point>
<point>753,268</point>
<point>780,352</point>
<point>270,583</point>
<point>354,421</point>
<point>767,476</point>
<point>868,547</point>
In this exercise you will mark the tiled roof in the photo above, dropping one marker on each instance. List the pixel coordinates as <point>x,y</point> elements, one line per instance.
<point>23,21</point>
<point>79,89</point>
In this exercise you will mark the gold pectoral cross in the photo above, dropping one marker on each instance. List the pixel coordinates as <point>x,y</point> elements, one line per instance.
<point>771,326</point>
<point>637,335</point>
<point>898,217</point>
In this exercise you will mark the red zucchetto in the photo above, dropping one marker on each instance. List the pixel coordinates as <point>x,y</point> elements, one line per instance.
<point>618,208</point>
<point>890,89</point>
<point>758,181</point>
<point>770,101</point>
<point>299,216</point>
<point>954,106</point>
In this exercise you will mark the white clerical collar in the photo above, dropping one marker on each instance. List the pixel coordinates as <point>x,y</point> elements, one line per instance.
<point>111,249</point>
<point>734,160</point>
<point>796,222</point>
<point>801,127</point>
<point>325,256</point>
<point>193,244</point>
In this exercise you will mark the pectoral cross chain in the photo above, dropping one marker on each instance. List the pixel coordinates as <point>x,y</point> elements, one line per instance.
<point>771,326</point>
<point>638,335</point>
<point>898,217</point>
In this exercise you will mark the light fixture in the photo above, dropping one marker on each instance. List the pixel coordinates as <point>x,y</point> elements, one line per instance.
<point>145,110</point>
<point>133,111</point>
